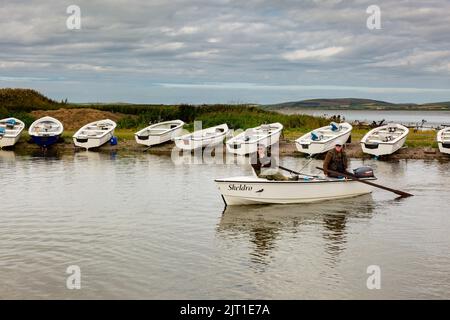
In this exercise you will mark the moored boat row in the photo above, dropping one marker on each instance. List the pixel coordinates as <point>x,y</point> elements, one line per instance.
<point>383,140</point>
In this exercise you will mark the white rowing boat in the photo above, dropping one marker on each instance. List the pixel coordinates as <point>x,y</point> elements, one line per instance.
<point>324,139</point>
<point>443,139</point>
<point>94,134</point>
<point>247,142</point>
<point>203,138</point>
<point>10,131</point>
<point>384,140</point>
<point>159,133</point>
<point>46,131</point>
<point>253,190</point>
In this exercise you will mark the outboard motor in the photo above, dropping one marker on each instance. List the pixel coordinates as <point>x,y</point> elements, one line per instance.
<point>2,132</point>
<point>363,172</point>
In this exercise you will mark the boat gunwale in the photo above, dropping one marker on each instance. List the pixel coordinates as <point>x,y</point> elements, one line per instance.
<point>299,181</point>
<point>189,136</point>
<point>181,123</point>
<point>233,140</point>
<point>46,134</point>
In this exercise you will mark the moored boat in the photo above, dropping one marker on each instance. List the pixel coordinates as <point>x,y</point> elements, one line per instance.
<point>94,134</point>
<point>10,131</point>
<point>159,133</point>
<point>203,138</point>
<point>46,131</point>
<point>443,139</point>
<point>384,140</point>
<point>253,190</point>
<point>247,142</point>
<point>324,139</point>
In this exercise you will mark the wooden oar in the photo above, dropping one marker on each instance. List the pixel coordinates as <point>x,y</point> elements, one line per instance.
<point>298,173</point>
<point>353,177</point>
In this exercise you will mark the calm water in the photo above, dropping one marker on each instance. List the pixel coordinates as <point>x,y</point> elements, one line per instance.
<point>141,227</point>
<point>433,118</point>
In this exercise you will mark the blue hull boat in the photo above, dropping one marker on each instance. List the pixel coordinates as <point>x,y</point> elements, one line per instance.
<point>45,142</point>
<point>46,131</point>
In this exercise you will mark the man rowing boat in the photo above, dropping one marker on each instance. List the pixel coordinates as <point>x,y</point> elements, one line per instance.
<point>335,160</point>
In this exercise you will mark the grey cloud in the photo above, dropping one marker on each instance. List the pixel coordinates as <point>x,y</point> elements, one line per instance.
<point>286,42</point>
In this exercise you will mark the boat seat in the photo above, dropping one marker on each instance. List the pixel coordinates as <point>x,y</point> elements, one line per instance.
<point>316,137</point>
<point>335,127</point>
<point>2,131</point>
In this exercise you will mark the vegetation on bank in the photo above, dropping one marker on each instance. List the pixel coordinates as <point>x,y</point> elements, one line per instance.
<point>20,103</point>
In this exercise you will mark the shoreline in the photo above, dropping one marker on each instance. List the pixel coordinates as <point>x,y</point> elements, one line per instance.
<point>286,148</point>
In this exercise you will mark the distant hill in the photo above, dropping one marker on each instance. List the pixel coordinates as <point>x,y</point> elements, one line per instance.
<point>354,104</point>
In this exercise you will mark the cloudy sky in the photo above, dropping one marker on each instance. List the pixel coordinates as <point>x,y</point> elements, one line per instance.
<point>228,51</point>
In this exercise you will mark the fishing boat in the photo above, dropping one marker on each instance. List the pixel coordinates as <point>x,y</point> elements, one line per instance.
<point>159,133</point>
<point>46,131</point>
<point>384,140</point>
<point>324,139</point>
<point>248,190</point>
<point>443,139</point>
<point>94,134</point>
<point>10,131</point>
<point>203,138</point>
<point>247,142</point>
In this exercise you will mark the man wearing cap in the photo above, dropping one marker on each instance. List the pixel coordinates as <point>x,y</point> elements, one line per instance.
<point>335,160</point>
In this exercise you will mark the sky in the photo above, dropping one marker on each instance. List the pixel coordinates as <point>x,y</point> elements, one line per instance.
<point>227,51</point>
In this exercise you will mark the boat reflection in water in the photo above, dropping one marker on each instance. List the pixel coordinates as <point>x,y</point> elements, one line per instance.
<point>268,227</point>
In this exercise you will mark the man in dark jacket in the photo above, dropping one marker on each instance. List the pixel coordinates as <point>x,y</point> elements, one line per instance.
<point>335,160</point>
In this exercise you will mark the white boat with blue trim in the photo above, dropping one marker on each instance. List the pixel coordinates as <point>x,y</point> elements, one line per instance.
<point>10,131</point>
<point>325,138</point>
<point>94,134</point>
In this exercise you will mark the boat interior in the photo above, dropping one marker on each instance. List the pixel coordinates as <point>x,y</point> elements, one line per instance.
<point>46,127</point>
<point>386,134</point>
<point>255,134</point>
<point>159,129</point>
<point>9,126</point>
<point>326,133</point>
<point>97,129</point>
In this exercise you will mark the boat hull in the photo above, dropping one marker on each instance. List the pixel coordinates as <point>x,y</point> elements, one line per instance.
<point>312,147</point>
<point>9,141</point>
<point>235,192</point>
<point>45,141</point>
<point>192,144</point>
<point>152,140</point>
<point>444,147</point>
<point>92,143</point>
<point>381,149</point>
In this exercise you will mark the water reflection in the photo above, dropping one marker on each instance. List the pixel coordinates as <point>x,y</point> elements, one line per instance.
<point>263,226</point>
